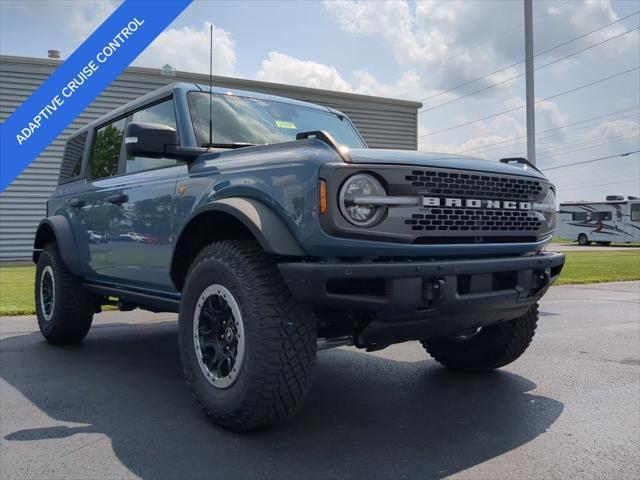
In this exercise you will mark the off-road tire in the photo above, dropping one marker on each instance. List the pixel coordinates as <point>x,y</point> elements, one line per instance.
<point>280,338</point>
<point>583,240</point>
<point>492,347</point>
<point>73,307</point>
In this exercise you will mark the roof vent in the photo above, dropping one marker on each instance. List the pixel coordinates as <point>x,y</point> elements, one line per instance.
<point>53,53</point>
<point>614,198</point>
<point>168,70</point>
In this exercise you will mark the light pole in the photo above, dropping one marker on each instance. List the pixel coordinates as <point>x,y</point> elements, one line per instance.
<point>528,58</point>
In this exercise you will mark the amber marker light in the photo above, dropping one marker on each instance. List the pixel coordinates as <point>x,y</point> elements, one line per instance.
<point>322,188</point>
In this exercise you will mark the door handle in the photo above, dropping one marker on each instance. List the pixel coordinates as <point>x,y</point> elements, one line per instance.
<point>118,199</point>
<point>77,203</point>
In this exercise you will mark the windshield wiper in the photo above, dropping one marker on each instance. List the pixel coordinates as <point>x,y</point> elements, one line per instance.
<point>227,145</point>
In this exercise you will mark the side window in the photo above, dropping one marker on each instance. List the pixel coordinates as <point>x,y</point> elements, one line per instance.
<point>105,155</point>
<point>601,216</point>
<point>579,216</point>
<point>72,158</point>
<point>635,212</point>
<point>164,114</point>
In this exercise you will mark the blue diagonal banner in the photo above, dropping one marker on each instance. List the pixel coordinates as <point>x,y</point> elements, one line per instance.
<point>79,80</point>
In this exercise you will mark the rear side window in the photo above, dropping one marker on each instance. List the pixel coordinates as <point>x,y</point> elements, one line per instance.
<point>164,114</point>
<point>601,216</point>
<point>105,154</point>
<point>579,216</point>
<point>635,212</point>
<point>72,158</point>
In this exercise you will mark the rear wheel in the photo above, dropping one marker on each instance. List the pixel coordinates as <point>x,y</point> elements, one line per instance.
<point>247,348</point>
<point>63,306</point>
<point>487,349</point>
<point>583,240</point>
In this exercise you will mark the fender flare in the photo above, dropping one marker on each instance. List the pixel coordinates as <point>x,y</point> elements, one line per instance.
<point>62,231</point>
<point>266,226</point>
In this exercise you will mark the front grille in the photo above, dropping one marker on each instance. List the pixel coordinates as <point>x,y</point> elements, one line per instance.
<point>474,220</point>
<point>446,206</point>
<point>474,185</point>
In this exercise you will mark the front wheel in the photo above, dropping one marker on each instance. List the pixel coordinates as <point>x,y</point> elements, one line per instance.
<point>583,240</point>
<point>247,348</point>
<point>487,349</point>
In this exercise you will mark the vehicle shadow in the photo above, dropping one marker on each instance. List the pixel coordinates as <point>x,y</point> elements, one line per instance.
<point>365,417</point>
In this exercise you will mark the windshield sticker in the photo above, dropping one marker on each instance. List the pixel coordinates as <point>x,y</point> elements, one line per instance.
<point>283,124</point>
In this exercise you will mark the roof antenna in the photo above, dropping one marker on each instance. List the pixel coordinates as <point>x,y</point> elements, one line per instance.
<point>211,86</point>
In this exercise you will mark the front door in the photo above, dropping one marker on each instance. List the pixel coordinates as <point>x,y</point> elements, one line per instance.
<point>139,246</point>
<point>140,242</point>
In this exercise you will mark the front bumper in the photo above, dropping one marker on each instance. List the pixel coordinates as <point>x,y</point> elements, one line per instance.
<point>419,299</point>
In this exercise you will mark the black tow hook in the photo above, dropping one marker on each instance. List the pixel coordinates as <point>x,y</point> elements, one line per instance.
<point>541,279</point>
<point>432,292</point>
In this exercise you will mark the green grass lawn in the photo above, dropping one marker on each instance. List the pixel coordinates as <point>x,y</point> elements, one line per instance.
<point>575,242</point>
<point>16,290</point>
<point>16,282</point>
<point>604,266</point>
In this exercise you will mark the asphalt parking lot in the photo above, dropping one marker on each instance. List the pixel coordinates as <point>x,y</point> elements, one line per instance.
<point>117,407</point>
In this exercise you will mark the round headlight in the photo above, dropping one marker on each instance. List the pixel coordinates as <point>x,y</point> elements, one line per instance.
<point>354,204</point>
<point>548,208</point>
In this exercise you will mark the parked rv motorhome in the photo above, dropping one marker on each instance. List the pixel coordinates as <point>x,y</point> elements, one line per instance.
<point>614,220</point>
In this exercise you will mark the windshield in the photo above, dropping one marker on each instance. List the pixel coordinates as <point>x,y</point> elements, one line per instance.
<point>243,120</point>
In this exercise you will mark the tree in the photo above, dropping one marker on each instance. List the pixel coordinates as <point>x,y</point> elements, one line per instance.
<point>106,152</point>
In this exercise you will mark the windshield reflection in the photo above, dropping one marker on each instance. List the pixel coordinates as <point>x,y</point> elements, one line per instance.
<point>255,121</point>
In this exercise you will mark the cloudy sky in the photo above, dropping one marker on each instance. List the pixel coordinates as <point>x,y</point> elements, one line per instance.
<point>461,59</point>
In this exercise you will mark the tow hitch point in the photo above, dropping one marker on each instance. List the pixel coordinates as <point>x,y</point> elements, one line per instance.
<point>432,292</point>
<point>541,279</point>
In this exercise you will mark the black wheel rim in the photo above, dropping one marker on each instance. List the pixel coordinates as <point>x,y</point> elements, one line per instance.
<point>218,336</point>
<point>47,292</point>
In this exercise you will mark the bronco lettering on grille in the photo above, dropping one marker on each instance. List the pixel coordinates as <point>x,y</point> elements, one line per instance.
<point>475,203</point>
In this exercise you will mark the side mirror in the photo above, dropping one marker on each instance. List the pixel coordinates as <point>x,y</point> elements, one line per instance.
<point>156,141</point>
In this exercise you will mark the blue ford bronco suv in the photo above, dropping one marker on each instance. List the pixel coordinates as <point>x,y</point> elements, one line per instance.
<point>273,231</point>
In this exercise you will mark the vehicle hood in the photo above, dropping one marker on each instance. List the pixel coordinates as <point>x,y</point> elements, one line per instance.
<point>440,160</point>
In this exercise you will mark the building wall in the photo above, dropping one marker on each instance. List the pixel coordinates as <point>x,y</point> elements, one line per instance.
<point>384,123</point>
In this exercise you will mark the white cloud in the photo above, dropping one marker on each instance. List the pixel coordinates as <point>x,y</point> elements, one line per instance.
<point>281,68</point>
<point>449,43</point>
<point>187,48</point>
<point>410,86</point>
<point>395,22</point>
<point>498,129</point>
<point>549,115</point>
<point>437,40</point>
<point>85,17</point>
<point>614,127</point>
<point>570,19</point>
